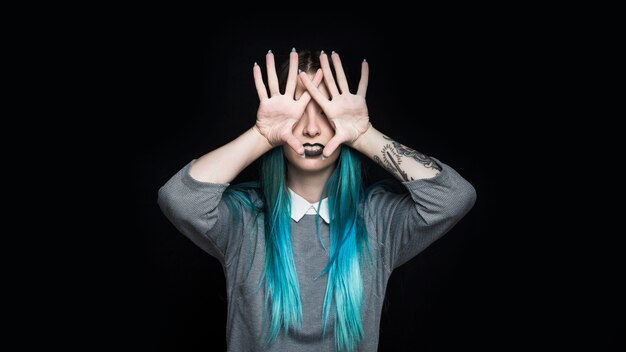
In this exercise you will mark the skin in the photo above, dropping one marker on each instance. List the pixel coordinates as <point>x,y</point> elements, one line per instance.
<point>312,112</point>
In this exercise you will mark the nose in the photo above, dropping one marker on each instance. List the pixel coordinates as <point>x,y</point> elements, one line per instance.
<point>312,120</point>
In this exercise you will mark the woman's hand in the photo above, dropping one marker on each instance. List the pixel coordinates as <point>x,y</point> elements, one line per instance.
<point>346,112</point>
<point>278,113</point>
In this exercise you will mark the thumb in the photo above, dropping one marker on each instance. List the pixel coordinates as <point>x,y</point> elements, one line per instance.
<point>331,146</point>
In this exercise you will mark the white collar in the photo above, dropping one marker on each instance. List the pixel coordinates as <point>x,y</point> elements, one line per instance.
<point>300,207</point>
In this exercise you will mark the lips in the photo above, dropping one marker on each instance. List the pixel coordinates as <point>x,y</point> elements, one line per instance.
<point>313,149</point>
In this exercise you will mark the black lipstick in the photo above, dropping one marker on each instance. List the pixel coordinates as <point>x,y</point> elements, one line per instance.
<point>312,153</point>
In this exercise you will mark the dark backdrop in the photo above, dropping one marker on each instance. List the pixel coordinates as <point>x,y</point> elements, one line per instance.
<point>466,95</point>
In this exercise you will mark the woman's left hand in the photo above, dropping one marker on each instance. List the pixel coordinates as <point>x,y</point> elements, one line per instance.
<point>346,112</point>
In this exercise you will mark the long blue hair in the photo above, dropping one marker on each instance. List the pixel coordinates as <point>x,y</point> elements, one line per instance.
<point>348,252</point>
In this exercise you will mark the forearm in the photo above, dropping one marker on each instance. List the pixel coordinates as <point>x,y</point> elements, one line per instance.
<point>222,165</point>
<point>404,163</point>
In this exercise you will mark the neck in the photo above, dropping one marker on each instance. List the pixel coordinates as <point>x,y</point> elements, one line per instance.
<point>309,185</point>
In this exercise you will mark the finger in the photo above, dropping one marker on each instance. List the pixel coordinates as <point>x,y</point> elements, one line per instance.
<point>317,79</point>
<point>331,146</point>
<point>328,75</point>
<point>294,143</point>
<point>365,74</point>
<point>341,76</point>
<point>312,89</point>
<point>292,78</point>
<point>272,79</point>
<point>258,82</point>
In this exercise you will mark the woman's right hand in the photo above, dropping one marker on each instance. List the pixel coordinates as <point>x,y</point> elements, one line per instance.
<point>278,113</point>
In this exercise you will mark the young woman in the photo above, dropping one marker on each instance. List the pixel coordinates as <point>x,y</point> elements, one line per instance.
<point>295,282</point>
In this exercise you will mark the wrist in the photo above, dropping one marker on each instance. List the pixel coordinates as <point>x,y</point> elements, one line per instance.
<point>358,143</point>
<point>263,140</point>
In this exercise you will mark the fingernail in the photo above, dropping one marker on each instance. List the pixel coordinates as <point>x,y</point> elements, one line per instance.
<point>332,52</point>
<point>303,155</point>
<point>299,71</point>
<point>323,157</point>
<point>364,60</point>
<point>255,64</point>
<point>293,50</point>
<point>322,52</point>
<point>269,51</point>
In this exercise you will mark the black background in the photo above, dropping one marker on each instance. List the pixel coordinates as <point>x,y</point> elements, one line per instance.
<point>511,275</point>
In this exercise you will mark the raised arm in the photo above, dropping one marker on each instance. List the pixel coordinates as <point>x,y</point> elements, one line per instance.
<point>438,197</point>
<point>192,198</point>
<point>349,116</point>
<point>276,116</point>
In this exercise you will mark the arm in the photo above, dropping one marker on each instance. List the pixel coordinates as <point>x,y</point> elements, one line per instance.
<point>192,198</point>
<point>407,223</point>
<point>437,198</point>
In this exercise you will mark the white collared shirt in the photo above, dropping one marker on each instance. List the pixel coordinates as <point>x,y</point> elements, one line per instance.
<point>300,207</point>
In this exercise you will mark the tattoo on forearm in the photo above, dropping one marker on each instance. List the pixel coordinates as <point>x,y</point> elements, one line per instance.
<point>392,156</point>
<point>415,155</point>
<point>391,161</point>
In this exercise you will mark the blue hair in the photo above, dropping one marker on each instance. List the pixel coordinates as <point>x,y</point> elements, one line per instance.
<point>349,247</point>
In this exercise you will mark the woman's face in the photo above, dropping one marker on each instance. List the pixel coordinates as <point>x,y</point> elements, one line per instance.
<point>313,130</point>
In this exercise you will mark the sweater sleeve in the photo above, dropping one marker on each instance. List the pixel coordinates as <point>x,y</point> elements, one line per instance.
<point>197,210</point>
<point>407,223</point>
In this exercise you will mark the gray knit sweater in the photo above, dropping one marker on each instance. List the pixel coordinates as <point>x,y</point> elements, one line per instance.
<point>399,226</point>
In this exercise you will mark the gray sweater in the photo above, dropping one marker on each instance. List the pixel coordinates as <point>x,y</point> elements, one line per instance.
<point>399,227</point>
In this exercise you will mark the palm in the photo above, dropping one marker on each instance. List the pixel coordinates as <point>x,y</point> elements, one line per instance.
<point>348,115</point>
<point>277,115</point>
